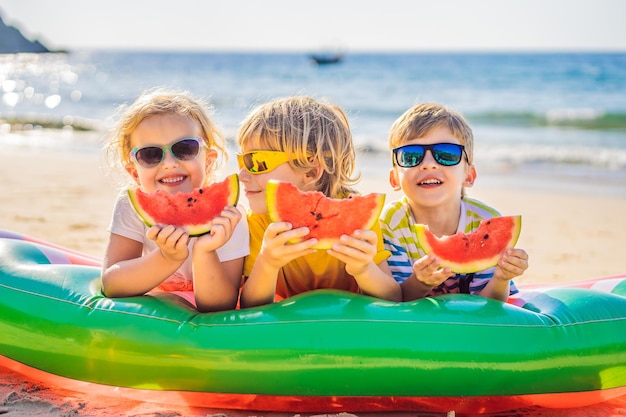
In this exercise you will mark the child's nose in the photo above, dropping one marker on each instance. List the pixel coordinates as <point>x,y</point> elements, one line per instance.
<point>244,175</point>
<point>169,159</point>
<point>429,160</point>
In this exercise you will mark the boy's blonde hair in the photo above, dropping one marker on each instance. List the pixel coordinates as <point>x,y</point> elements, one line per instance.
<point>158,102</point>
<point>312,133</point>
<point>420,119</point>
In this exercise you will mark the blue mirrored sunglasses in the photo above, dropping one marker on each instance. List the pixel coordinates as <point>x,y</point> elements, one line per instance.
<point>446,154</point>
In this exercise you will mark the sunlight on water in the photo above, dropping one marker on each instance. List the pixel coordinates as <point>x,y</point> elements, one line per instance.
<point>52,101</point>
<point>10,99</point>
<point>525,109</point>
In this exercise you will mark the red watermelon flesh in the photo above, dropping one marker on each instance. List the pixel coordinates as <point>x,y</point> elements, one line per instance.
<point>327,218</point>
<point>194,210</point>
<point>472,252</point>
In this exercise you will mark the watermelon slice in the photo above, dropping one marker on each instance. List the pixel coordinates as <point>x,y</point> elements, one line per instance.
<point>476,251</point>
<point>194,210</point>
<point>327,218</point>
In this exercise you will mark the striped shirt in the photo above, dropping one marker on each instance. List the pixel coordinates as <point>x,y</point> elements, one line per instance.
<point>405,249</point>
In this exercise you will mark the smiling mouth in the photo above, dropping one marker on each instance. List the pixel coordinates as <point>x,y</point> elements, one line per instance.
<point>431,181</point>
<point>172,180</point>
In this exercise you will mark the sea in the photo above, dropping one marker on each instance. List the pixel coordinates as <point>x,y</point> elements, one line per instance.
<point>542,115</point>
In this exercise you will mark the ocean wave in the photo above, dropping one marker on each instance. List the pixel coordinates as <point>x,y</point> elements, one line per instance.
<point>607,158</point>
<point>43,121</point>
<point>579,118</point>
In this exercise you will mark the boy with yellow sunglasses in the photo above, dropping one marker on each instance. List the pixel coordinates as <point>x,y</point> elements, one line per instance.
<point>309,144</point>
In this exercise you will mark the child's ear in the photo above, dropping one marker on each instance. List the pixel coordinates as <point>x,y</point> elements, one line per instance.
<point>132,171</point>
<point>313,175</point>
<point>393,179</point>
<point>470,176</point>
<point>211,156</point>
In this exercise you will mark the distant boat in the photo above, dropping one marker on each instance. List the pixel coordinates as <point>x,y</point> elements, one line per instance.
<point>326,58</point>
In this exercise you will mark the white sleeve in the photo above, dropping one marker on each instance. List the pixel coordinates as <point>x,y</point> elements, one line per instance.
<point>125,221</point>
<point>238,245</point>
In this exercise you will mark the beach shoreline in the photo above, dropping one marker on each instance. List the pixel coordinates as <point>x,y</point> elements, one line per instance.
<point>571,233</point>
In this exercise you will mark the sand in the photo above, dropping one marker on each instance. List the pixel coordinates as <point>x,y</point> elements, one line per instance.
<point>570,232</point>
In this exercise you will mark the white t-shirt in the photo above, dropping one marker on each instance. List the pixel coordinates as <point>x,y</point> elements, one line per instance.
<point>125,222</point>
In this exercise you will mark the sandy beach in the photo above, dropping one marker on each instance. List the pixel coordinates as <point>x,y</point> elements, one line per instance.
<point>569,233</point>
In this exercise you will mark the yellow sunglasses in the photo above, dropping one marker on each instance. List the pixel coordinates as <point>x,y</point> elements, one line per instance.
<point>259,162</point>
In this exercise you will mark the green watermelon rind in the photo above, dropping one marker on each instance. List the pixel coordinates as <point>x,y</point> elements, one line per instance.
<point>196,229</point>
<point>423,235</point>
<point>273,188</point>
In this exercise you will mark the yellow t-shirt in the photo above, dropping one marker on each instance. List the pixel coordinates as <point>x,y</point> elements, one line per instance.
<point>310,272</point>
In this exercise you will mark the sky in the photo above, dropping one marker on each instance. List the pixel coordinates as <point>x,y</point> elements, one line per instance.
<point>353,25</point>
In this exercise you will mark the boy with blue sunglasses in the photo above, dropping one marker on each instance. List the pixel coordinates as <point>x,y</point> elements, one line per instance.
<point>432,155</point>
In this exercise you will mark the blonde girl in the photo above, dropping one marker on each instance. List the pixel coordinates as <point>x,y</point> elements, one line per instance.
<point>165,140</point>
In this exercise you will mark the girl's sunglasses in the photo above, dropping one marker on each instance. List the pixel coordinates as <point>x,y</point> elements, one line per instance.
<point>446,154</point>
<point>184,150</point>
<point>259,162</point>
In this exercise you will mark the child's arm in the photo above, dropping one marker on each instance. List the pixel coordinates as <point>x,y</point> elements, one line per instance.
<point>216,284</point>
<point>276,251</point>
<point>512,264</point>
<point>358,252</point>
<point>126,273</point>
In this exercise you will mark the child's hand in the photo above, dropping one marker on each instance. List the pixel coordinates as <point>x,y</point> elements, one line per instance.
<point>171,240</point>
<point>221,230</point>
<point>512,264</point>
<point>356,251</point>
<point>276,251</point>
<point>428,273</point>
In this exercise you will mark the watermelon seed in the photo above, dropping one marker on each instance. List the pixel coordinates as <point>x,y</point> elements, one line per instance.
<point>486,236</point>
<point>189,199</point>
<point>200,191</point>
